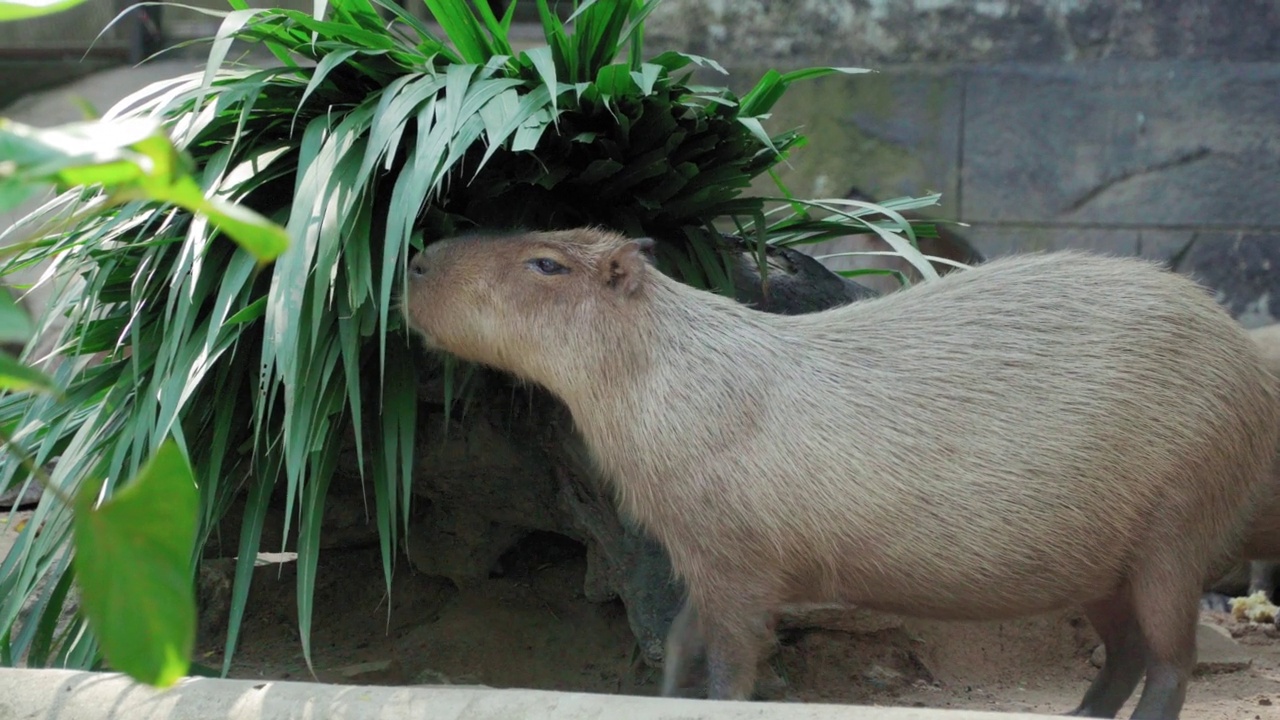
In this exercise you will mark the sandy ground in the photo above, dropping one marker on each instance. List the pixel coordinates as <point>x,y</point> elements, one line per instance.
<point>532,628</point>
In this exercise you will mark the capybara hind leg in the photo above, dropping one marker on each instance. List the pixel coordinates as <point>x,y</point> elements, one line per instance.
<point>731,668</point>
<point>733,643</point>
<point>1117,626</point>
<point>1262,577</point>
<point>1167,615</point>
<point>684,649</point>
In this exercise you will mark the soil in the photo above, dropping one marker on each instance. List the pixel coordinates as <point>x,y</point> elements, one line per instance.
<point>531,627</point>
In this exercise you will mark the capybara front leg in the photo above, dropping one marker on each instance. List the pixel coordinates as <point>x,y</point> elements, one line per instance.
<point>684,649</point>
<point>1167,615</point>
<point>1117,626</point>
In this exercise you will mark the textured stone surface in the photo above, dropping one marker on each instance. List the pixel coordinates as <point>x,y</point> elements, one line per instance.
<point>853,32</point>
<point>889,133</point>
<point>1137,144</point>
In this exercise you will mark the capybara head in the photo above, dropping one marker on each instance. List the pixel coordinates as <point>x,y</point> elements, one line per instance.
<point>515,301</point>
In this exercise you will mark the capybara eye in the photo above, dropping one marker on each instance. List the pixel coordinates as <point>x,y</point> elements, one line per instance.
<point>547,266</point>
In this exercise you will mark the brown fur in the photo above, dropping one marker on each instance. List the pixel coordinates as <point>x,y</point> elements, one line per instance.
<point>1262,542</point>
<point>1036,432</point>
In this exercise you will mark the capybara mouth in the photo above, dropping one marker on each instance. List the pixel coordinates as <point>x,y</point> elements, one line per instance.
<point>416,276</point>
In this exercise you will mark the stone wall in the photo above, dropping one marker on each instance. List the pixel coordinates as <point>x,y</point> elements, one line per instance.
<point>876,32</point>
<point>1138,127</point>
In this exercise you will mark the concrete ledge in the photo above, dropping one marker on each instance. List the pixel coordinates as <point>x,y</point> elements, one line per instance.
<point>72,695</point>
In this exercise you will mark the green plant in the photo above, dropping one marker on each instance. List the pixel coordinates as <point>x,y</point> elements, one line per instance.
<point>133,552</point>
<point>368,139</point>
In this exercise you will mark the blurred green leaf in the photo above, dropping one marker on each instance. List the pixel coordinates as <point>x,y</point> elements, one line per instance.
<point>134,160</point>
<point>23,9</point>
<point>133,561</point>
<point>18,377</point>
<point>15,324</point>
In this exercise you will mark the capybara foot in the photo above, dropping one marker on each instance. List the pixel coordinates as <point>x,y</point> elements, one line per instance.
<point>1215,601</point>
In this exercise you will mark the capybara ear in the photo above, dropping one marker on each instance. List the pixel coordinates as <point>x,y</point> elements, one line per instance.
<point>625,267</point>
<point>647,247</point>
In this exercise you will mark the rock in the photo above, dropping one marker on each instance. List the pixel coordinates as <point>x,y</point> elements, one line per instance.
<point>213,599</point>
<point>19,498</point>
<point>883,678</point>
<point>622,560</point>
<point>461,546</point>
<point>488,487</point>
<point>1217,652</point>
<point>492,462</point>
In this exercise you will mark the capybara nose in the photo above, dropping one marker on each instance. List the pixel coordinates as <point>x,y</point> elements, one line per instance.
<point>418,266</point>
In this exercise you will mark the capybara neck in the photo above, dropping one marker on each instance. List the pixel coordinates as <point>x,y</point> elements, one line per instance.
<point>688,371</point>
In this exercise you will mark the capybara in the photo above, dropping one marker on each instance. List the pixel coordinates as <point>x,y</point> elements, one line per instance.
<point>1039,431</point>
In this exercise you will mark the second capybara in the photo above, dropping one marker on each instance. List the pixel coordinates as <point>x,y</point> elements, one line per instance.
<point>1037,432</point>
<point>1262,541</point>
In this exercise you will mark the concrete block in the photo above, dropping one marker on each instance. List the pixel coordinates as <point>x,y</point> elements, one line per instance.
<point>32,694</point>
